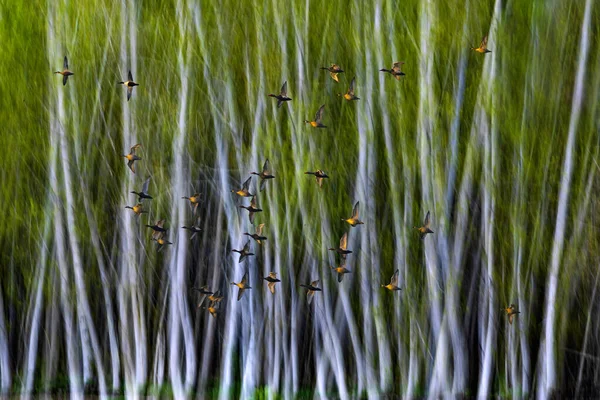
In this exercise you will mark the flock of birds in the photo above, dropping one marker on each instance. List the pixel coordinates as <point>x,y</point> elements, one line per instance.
<point>159,231</point>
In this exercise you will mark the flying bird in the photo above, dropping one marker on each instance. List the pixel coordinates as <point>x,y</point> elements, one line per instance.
<point>424,230</point>
<point>253,209</point>
<point>129,84</point>
<point>271,281</point>
<point>282,96</point>
<point>244,192</point>
<point>396,70</point>
<point>349,95</point>
<point>144,193</point>
<point>311,289</point>
<point>264,175</point>
<point>319,175</point>
<point>353,221</point>
<point>65,72</point>
<point>245,252</point>
<point>334,70</point>
<point>242,285</point>
<point>132,157</point>
<point>393,285</point>
<point>257,235</point>
<point>342,250</point>
<point>482,46</point>
<point>316,123</point>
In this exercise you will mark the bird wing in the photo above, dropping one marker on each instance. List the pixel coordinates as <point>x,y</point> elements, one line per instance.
<point>355,211</point>
<point>314,283</point>
<point>309,295</point>
<point>253,202</point>
<point>483,44</point>
<point>251,217</point>
<point>242,257</point>
<point>195,208</point>
<point>427,221</point>
<point>65,77</point>
<point>320,181</point>
<point>246,184</point>
<point>247,247</point>
<point>145,185</point>
<point>334,75</point>
<point>240,293</point>
<point>262,184</point>
<point>273,275</point>
<point>351,88</point>
<point>244,279</point>
<point>129,91</point>
<point>130,165</point>
<point>271,286</point>
<point>129,76</point>
<point>340,276</point>
<point>319,114</point>
<point>284,89</point>
<point>134,148</point>
<point>160,223</point>
<point>344,241</point>
<point>66,63</point>
<point>397,66</point>
<point>259,230</point>
<point>394,280</point>
<point>266,170</point>
<point>510,318</point>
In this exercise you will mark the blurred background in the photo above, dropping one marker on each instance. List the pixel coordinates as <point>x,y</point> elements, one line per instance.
<point>502,148</point>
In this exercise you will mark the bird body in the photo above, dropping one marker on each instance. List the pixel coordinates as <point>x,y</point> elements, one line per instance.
<point>129,84</point>
<point>482,46</point>
<point>137,209</point>
<point>194,228</point>
<point>393,285</point>
<point>342,249</point>
<point>194,201</point>
<point>132,157</point>
<point>282,96</point>
<point>349,95</point>
<point>424,230</point>
<point>271,281</point>
<point>244,192</point>
<point>311,289</point>
<point>316,123</point>
<point>258,234</point>
<point>245,252</point>
<point>396,70</point>
<point>353,221</point>
<point>242,285</point>
<point>334,70</point>
<point>65,72</point>
<point>319,175</point>
<point>144,193</point>
<point>252,208</point>
<point>511,311</point>
<point>341,270</point>
<point>264,175</point>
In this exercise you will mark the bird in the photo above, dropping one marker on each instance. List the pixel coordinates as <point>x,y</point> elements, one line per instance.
<point>242,285</point>
<point>257,235</point>
<point>349,95</point>
<point>341,250</point>
<point>194,228</point>
<point>312,288</point>
<point>144,193</point>
<point>203,289</point>
<point>252,208</point>
<point>161,241</point>
<point>244,192</point>
<point>215,297</point>
<point>334,70</point>
<point>272,280</point>
<point>319,175</point>
<point>482,46</point>
<point>353,221</point>
<point>424,230</point>
<point>65,72</point>
<point>341,270</point>
<point>264,175</point>
<point>157,228</point>
<point>393,285</point>
<point>245,252</point>
<point>511,311</point>
<point>316,123</point>
<point>396,70</point>
<point>132,157</point>
<point>212,309</point>
<point>129,84</point>
<point>138,209</point>
<point>194,201</point>
<point>282,96</point>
